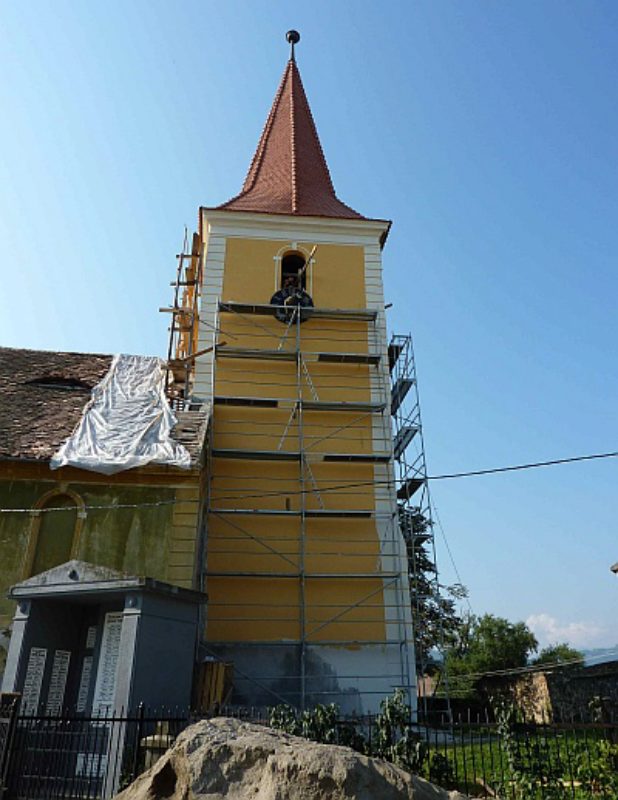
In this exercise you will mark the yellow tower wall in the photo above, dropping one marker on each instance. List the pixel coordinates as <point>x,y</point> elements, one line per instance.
<point>289,566</point>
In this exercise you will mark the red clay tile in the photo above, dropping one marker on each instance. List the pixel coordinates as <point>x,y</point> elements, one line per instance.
<point>288,173</point>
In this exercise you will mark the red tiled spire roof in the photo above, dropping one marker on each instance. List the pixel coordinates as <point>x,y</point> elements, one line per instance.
<point>288,173</point>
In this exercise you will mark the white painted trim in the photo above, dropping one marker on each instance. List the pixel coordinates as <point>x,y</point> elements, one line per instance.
<point>321,230</point>
<point>212,288</point>
<point>295,247</point>
<point>398,610</point>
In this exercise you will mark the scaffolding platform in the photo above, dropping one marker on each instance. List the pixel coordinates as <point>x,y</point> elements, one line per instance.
<point>358,458</point>
<point>257,402</point>
<point>325,405</point>
<point>291,355</point>
<point>260,355</point>
<point>402,439</point>
<point>349,358</point>
<point>410,487</point>
<point>307,405</point>
<point>268,310</point>
<point>282,512</point>
<point>295,455</point>
<point>313,575</point>
<point>394,351</point>
<point>256,455</point>
<point>400,389</point>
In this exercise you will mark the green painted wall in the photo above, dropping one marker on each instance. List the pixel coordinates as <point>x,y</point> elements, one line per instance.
<point>135,541</point>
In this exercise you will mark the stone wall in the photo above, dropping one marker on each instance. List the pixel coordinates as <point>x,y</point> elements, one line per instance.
<point>588,691</point>
<point>563,694</point>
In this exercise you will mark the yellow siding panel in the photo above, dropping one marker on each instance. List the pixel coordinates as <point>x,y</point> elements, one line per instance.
<point>262,604</point>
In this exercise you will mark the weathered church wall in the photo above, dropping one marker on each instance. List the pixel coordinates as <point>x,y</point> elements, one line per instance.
<point>155,535</point>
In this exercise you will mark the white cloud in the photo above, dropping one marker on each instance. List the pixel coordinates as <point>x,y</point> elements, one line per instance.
<point>549,630</point>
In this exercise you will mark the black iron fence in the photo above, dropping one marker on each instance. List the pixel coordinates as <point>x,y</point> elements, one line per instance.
<point>8,714</point>
<point>84,758</point>
<point>521,760</point>
<point>46,757</point>
<point>510,759</point>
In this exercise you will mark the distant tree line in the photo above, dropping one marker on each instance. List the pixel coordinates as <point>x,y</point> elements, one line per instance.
<point>470,645</point>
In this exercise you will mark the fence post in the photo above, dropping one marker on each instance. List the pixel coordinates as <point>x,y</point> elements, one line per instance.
<point>6,747</point>
<point>138,738</point>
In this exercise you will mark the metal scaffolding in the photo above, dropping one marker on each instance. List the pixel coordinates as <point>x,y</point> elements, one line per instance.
<point>183,330</point>
<point>301,437</point>
<point>413,494</point>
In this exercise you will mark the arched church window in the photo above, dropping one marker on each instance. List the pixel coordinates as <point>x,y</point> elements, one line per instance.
<point>292,266</point>
<point>54,535</point>
<point>292,297</point>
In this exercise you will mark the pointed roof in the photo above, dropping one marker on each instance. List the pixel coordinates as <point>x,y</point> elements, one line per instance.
<point>288,173</point>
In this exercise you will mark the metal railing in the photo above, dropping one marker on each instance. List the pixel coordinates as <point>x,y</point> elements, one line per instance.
<point>81,757</point>
<point>46,757</point>
<point>515,760</point>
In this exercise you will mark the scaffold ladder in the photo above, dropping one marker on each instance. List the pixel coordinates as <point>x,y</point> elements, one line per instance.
<point>413,495</point>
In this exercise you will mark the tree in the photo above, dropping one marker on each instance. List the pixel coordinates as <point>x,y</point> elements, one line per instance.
<point>487,644</point>
<point>559,653</point>
<point>435,618</point>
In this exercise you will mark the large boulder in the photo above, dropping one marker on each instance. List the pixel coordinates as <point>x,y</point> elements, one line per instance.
<point>226,758</point>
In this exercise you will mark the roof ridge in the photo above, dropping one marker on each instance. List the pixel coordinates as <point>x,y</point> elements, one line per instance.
<point>258,156</point>
<point>292,72</point>
<point>315,135</point>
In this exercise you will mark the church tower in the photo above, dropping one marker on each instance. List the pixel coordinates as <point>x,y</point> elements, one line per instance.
<point>304,563</point>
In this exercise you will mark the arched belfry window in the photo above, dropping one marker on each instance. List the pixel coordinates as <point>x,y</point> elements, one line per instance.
<point>292,264</point>
<point>55,531</point>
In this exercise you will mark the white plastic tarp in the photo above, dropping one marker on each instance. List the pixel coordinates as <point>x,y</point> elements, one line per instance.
<point>127,422</point>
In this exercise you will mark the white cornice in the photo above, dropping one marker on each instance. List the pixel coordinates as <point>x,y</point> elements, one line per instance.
<point>240,224</point>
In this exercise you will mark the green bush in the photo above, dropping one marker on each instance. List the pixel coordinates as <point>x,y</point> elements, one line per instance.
<point>597,768</point>
<point>392,737</point>
<point>441,770</point>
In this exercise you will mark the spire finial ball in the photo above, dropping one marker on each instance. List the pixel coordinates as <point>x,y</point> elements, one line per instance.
<point>293,37</point>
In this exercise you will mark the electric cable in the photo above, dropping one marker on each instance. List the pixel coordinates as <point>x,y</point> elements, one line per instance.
<point>531,668</point>
<point>515,467</point>
<point>388,483</point>
<point>450,554</point>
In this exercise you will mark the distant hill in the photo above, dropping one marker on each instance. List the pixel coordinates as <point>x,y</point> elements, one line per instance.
<point>599,655</point>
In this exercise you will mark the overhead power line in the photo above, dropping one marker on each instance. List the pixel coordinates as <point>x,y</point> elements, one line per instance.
<point>450,554</point>
<point>337,487</point>
<point>531,668</point>
<point>515,467</point>
<point>359,484</point>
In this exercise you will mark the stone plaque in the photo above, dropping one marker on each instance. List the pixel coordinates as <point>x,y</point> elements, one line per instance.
<point>91,637</point>
<point>58,681</point>
<point>91,765</point>
<point>105,687</point>
<point>84,684</point>
<point>35,670</point>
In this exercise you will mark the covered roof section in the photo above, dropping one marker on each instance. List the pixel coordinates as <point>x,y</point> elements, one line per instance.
<point>43,395</point>
<point>289,173</point>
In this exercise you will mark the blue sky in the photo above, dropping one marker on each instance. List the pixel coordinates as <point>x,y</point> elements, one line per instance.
<point>487,131</point>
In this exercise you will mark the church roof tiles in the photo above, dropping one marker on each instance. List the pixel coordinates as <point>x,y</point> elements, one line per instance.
<point>289,173</point>
<point>43,395</point>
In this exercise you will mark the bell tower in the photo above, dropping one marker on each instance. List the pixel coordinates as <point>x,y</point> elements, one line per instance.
<point>305,566</point>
